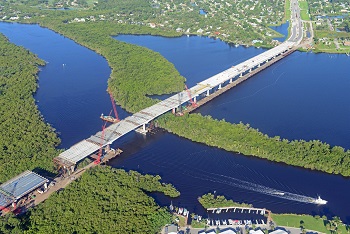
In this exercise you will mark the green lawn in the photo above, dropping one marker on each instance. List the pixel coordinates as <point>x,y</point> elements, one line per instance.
<point>304,10</point>
<point>287,11</point>
<point>182,220</point>
<point>310,222</point>
<point>196,224</point>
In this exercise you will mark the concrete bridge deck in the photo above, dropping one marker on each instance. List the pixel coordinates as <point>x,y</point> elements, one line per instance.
<point>81,150</point>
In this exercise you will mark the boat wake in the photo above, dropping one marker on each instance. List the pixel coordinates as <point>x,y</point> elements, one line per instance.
<point>234,177</point>
<point>231,181</point>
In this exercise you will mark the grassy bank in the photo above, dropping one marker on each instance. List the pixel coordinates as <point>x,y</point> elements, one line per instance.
<point>304,10</point>
<point>287,11</point>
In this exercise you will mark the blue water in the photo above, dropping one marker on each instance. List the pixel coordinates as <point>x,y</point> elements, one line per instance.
<point>202,12</point>
<point>72,97</point>
<point>72,86</point>
<point>283,29</point>
<point>331,16</point>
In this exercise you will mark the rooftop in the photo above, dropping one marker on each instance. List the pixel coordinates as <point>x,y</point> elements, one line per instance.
<point>19,186</point>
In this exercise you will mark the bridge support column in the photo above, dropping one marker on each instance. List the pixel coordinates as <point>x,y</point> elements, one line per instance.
<point>267,61</point>
<point>250,70</point>
<point>230,80</point>
<point>195,99</point>
<point>208,92</point>
<point>144,127</point>
<point>220,86</point>
<point>241,75</point>
<point>259,65</point>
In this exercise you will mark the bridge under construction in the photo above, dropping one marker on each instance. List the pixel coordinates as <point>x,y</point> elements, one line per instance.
<point>206,88</point>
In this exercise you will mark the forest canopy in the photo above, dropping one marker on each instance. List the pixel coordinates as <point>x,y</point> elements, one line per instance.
<point>26,142</point>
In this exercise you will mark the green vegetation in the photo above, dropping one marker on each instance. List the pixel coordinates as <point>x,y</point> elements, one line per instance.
<point>26,142</point>
<point>331,42</point>
<point>287,11</point>
<point>198,224</point>
<point>329,24</point>
<point>346,25</point>
<point>331,8</point>
<point>237,22</point>
<point>304,10</point>
<point>181,221</point>
<point>308,222</point>
<point>103,200</point>
<point>211,201</point>
<point>243,139</point>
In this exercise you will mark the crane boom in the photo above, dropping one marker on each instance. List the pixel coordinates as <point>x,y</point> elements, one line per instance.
<point>114,107</point>
<point>98,159</point>
<point>194,104</point>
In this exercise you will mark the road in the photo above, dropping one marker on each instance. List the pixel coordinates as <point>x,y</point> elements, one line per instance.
<point>297,25</point>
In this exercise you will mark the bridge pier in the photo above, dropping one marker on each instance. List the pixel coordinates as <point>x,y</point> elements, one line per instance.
<point>220,86</point>
<point>250,70</point>
<point>208,92</point>
<point>230,80</point>
<point>259,65</point>
<point>195,99</point>
<point>241,75</point>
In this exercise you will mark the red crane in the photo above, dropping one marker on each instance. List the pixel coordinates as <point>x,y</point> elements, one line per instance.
<point>194,104</point>
<point>98,159</point>
<point>114,107</point>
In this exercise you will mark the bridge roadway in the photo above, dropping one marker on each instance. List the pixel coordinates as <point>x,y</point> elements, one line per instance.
<point>81,150</point>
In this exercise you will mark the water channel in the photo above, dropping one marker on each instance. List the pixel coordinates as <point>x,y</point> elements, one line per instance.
<point>303,96</point>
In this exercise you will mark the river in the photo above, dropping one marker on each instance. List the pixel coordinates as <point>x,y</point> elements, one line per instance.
<point>72,86</point>
<point>72,96</point>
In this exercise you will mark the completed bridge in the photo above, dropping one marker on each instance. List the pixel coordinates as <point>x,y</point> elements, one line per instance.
<point>233,75</point>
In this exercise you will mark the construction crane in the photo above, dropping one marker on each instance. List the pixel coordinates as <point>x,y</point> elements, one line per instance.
<point>102,139</point>
<point>110,118</point>
<point>98,159</point>
<point>193,103</point>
